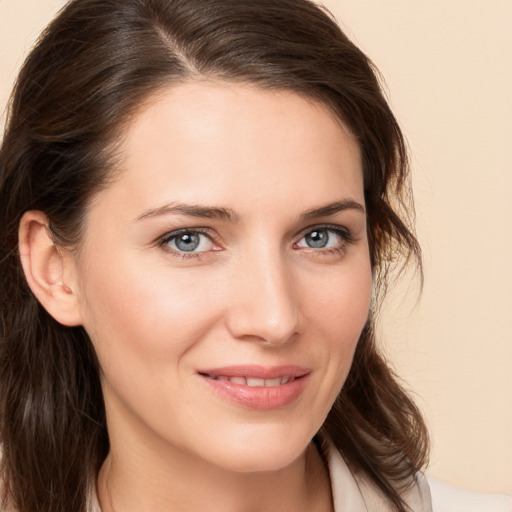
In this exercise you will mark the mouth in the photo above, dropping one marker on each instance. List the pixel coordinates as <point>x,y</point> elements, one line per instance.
<point>257,387</point>
<point>253,382</point>
<point>256,376</point>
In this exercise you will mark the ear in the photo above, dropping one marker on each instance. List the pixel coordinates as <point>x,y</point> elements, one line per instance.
<point>50,272</point>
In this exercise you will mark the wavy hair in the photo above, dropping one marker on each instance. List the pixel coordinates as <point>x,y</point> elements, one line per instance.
<point>89,73</point>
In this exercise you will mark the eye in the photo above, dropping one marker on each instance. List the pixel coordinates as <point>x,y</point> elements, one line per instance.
<point>188,241</point>
<point>324,238</point>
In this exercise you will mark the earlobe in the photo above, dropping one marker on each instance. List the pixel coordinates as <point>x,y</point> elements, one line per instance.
<point>47,269</point>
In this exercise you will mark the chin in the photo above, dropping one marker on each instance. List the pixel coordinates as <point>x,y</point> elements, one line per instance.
<point>261,461</point>
<point>259,451</point>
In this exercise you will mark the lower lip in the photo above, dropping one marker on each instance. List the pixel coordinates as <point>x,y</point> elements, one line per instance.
<point>258,397</point>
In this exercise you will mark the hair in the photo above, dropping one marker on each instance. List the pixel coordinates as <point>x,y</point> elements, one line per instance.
<point>88,75</point>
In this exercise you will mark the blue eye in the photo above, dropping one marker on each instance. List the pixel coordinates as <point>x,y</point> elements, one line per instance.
<point>323,238</point>
<point>188,241</point>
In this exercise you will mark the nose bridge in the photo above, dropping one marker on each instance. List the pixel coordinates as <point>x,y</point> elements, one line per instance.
<point>265,305</point>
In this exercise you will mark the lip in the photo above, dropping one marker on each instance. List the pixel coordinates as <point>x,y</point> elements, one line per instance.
<point>259,397</point>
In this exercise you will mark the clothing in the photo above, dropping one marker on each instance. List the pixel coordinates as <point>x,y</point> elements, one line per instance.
<point>448,498</point>
<point>354,493</point>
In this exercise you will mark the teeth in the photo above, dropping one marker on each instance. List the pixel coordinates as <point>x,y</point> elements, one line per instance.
<point>238,380</point>
<point>254,382</point>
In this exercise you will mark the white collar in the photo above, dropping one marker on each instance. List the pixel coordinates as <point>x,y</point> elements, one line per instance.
<point>346,494</point>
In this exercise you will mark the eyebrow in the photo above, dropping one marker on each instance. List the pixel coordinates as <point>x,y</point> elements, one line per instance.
<point>333,208</point>
<point>204,212</point>
<point>213,212</point>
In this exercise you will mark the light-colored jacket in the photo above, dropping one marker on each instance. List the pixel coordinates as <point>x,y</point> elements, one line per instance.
<point>354,493</point>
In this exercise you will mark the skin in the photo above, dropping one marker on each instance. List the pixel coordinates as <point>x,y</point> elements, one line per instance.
<point>253,292</point>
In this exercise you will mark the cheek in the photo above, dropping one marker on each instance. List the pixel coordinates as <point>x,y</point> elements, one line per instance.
<point>137,315</point>
<point>342,305</point>
<point>339,316</point>
<point>142,328</point>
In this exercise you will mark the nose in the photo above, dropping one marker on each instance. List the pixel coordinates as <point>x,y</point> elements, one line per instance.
<point>264,302</point>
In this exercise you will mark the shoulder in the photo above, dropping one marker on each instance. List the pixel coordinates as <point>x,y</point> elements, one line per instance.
<point>354,491</point>
<point>449,498</point>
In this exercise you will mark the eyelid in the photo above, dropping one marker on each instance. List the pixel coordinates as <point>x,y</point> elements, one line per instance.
<point>341,230</point>
<point>346,235</point>
<point>169,236</point>
<point>196,229</point>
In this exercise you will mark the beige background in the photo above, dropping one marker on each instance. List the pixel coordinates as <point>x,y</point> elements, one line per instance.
<point>448,69</point>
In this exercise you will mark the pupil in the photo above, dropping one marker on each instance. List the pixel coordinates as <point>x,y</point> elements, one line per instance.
<point>317,239</point>
<point>187,242</point>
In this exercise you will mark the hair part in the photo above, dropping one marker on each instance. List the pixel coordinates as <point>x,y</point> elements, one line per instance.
<point>90,73</point>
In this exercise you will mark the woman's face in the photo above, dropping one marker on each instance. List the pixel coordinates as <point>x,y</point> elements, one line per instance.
<point>225,277</point>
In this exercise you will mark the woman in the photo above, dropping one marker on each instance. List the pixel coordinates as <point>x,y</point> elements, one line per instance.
<point>201,201</point>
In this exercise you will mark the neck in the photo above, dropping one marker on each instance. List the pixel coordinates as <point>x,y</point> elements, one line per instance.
<point>183,484</point>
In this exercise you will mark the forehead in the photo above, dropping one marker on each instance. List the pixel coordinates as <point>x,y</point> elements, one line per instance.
<point>234,144</point>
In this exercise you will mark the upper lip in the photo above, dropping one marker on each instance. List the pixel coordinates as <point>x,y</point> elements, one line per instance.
<point>256,371</point>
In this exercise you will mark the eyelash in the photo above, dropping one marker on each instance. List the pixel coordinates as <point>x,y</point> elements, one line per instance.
<point>343,233</point>
<point>173,235</point>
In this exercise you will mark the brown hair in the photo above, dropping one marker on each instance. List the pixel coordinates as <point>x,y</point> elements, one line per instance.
<point>88,74</point>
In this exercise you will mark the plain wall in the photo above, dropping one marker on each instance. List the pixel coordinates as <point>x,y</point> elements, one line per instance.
<point>448,70</point>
